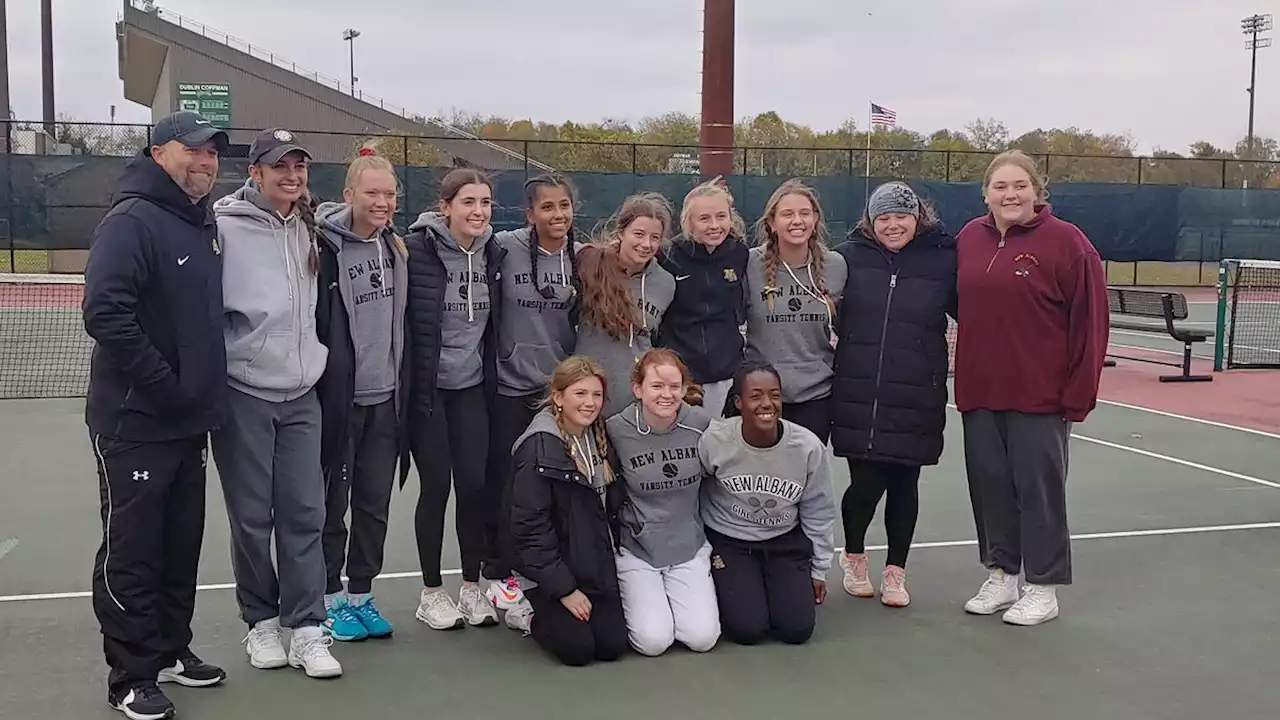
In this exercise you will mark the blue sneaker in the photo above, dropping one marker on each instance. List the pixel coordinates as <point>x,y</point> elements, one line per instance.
<point>367,613</point>
<point>343,623</point>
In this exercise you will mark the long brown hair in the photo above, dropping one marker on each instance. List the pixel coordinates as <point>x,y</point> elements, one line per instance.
<point>571,370</point>
<point>666,356</point>
<point>818,241</point>
<point>606,293</point>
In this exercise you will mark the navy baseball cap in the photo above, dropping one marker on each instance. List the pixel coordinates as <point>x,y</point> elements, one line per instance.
<point>273,144</point>
<point>190,129</point>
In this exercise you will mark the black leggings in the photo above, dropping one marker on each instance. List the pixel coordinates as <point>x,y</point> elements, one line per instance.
<point>452,443</point>
<point>507,422</point>
<point>868,482</point>
<point>813,414</point>
<point>764,588</point>
<point>571,641</point>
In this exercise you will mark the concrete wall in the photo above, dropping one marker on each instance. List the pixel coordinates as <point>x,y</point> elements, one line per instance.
<point>264,94</point>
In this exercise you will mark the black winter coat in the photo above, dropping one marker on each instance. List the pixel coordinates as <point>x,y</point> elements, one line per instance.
<point>153,306</point>
<point>709,306</point>
<point>423,313</point>
<point>890,386</point>
<point>564,537</point>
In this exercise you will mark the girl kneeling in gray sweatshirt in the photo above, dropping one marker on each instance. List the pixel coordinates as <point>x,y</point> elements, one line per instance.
<point>664,563</point>
<point>769,509</point>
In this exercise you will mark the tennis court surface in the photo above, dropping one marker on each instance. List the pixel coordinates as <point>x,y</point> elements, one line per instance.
<point>1172,615</point>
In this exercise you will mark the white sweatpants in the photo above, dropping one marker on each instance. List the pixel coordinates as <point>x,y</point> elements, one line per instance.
<point>662,605</point>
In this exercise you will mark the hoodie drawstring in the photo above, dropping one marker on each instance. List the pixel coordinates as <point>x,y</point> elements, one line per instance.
<point>644,316</point>
<point>471,314</point>
<point>811,292</point>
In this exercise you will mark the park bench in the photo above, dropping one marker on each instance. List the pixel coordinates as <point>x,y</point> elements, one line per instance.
<point>1163,309</point>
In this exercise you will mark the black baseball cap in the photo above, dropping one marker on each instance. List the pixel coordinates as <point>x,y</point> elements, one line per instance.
<point>273,144</point>
<point>190,129</point>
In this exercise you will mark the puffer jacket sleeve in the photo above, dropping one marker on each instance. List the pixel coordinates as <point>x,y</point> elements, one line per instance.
<point>533,533</point>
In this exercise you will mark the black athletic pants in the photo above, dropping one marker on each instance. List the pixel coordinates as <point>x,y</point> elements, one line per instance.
<point>573,642</point>
<point>508,420</point>
<point>868,482</point>
<point>451,443</point>
<point>152,497</point>
<point>364,481</point>
<point>764,588</point>
<point>1017,468</point>
<point>813,414</point>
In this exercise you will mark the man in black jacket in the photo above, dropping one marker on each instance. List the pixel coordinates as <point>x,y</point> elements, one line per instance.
<point>157,386</point>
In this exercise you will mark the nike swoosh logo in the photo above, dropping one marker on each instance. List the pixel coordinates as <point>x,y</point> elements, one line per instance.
<point>183,260</point>
<point>683,277</point>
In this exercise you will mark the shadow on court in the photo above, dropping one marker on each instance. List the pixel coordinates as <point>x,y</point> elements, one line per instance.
<point>1172,615</point>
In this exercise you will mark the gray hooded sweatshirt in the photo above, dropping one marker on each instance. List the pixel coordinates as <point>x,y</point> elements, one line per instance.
<point>758,494</point>
<point>652,289</point>
<point>466,304</point>
<point>534,333</point>
<point>269,296</point>
<point>790,327</point>
<point>663,473</point>
<point>374,282</point>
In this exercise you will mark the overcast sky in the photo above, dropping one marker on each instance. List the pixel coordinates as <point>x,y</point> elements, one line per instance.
<point>1169,72</point>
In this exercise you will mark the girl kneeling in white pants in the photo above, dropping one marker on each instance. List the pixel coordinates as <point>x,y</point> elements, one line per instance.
<point>664,566</point>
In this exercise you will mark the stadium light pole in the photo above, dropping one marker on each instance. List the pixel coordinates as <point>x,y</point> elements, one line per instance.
<point>1251,26</point>
<point>350,35</point>
<point>4,73</point>
<point>716,153</point>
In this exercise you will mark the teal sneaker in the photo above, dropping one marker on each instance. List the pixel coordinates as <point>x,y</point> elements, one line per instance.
<point>367,613</point>
<point>343,623</point>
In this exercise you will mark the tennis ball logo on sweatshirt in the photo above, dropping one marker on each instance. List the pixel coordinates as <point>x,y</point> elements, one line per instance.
<point>795,304</point>
<point>669,471</point>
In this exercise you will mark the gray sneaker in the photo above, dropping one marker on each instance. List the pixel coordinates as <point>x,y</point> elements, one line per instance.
<point>475,607</point>
<point>437,610</point>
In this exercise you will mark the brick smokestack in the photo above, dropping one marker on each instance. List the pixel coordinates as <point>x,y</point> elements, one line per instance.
<point>716,137</point>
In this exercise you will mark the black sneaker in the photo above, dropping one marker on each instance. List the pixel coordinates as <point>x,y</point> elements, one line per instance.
<point>144,702</point>
<point>191,671</point>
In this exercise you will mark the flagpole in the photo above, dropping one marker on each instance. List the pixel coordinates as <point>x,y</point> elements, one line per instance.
<point>867,174</point>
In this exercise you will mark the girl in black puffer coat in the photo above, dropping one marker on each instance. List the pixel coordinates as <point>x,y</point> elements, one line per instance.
<point>890,386</point>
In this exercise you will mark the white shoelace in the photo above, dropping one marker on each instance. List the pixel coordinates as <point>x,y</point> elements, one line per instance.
<point>315,647</point>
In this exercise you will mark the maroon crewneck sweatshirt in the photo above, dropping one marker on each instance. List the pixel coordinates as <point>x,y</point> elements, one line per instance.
<point>1033,320</point>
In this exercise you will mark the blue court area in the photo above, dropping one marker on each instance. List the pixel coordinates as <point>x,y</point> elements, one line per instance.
<point>1172,617</point>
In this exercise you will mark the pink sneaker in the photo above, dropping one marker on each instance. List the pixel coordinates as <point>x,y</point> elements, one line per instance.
<point>894,591</point>
<point>856,581</point>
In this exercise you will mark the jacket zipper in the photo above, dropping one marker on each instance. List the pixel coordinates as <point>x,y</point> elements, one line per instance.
<point>884,332</point>
<point>999,247</point>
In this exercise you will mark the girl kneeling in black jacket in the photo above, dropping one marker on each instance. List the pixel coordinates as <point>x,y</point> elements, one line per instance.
<point>890,386</point>
<point>564,510</point>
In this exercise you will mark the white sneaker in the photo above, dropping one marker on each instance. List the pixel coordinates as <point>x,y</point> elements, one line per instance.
<point>475,607</point>
<point>505,594</point>
<point>436,609</point>
<point>309,649</point>
<point>1039,603</point>
<point>857,581</point>
<point>997,593</point>
<point>520,618</point>
<point>263,644</point>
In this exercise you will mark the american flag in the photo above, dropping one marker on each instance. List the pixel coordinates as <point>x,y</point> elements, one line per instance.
<point>883,117</point>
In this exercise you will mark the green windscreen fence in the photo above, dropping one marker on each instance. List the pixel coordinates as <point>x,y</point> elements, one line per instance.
<point>54,202</point>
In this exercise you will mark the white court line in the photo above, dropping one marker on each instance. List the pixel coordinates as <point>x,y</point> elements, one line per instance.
<point>1196,530</point>
<point>1179,461</point>
<point>1171,459</point>
<point>1188,418</point>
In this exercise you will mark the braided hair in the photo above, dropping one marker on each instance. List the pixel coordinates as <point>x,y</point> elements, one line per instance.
<point>306,207</point>
<point>571,370</point>
<point>531,189</point>
<point>818,241</point>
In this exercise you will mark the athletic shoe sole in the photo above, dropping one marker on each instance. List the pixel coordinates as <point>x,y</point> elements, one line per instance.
<point>459,623</point>
<point>183,680</point>
<point>166,715</point>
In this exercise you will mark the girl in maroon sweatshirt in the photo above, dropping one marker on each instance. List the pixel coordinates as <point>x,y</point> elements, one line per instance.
<point>1032,336</point>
